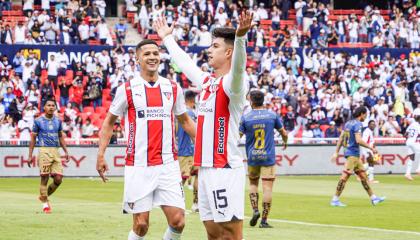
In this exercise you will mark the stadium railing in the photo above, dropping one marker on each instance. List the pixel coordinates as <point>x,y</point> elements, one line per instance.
<point>121,141</point>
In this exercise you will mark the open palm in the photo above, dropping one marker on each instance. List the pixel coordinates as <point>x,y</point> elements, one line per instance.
<point>245,23</point>
<point>161,27</point>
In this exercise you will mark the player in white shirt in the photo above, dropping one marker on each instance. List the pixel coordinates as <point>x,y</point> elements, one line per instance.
<point>221,186</point>
<point>412,134</point>
<point>367,154</point>
<point>152,176</point>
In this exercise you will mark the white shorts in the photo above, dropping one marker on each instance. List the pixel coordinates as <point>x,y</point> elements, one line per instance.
<point>366,152</point>
<point>221,193</point>
<point>148,187</point>
<point>413,148</point>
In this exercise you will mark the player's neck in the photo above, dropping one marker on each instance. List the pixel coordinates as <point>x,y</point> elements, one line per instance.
<point>258,108</point>
<point>222,71</point>
<point>49,116</point>
<point>149,76</point>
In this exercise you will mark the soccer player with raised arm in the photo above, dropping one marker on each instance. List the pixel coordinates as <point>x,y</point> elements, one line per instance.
<point>152,176</point>
<point>186,150</point>
<point>367,136</point>
<point>258,127</point>
<point>351,139</point>
<point>47,134</point>
<point>412,143</point>
<point>221,177</point>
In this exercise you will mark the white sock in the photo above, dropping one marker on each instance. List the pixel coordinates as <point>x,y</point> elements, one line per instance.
<point>371,174</point>
<point>409,166</point>
<point>171,234</point>
<point>133,236</point>
<point>373,196</point>
<point>335,198</point>
<point>45,205</point>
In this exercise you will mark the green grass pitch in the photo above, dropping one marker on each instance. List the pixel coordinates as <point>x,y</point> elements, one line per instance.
<point>88,209</point>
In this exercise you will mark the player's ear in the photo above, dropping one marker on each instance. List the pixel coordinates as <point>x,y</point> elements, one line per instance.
<point>229,52</point>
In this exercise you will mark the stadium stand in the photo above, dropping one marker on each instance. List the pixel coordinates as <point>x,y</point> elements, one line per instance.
<point>314,92</point>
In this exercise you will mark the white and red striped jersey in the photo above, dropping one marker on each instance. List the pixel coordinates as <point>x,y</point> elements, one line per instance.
<point>367,136</point>
<point>149,119</point>
<point>220,107</point>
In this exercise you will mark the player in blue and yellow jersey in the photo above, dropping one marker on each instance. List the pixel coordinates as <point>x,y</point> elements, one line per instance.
<point>351,139</point>
<point>48,136</point>
<point>186,149</point>
<point>258,127</point>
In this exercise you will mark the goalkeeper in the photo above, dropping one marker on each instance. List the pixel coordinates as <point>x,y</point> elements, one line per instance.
<point>367,154</point>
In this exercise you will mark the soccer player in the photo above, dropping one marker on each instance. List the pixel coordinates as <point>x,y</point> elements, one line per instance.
<point>367,136</point>
<point>351,139</point>
<point>186,150</point>
<point>47,134</point>
<point>412,135</point>
<point>221,177</point>
<point>258,126</point>
<point>152,176</point>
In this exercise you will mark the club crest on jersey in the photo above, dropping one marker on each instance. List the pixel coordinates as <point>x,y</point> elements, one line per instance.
<point>168,95</point>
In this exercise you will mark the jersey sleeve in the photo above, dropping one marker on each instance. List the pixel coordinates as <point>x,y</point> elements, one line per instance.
<point>192,115</point>
<point>184,62</point>
<point>357,128</point>
<point>119,104</point>
<point>60,126</point>
<point>235,85</point>
<point>277,122</point>
<point>242,128</point>
<point>179,107</point>
<point>35,128</point>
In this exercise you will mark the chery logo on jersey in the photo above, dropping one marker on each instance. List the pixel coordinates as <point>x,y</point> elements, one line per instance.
<point>221,136</point>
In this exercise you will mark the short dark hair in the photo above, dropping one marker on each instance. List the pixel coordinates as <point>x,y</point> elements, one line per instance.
<point>257,98</point>
<point>50,100</point>
<point>371,121</point>
<point>228,34</point>
<point>190,95</point>
<point>359,111</point>
<point>146,42</point>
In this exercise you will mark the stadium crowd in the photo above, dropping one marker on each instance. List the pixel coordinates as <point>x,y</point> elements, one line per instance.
<point>284,23</point>
<point>58,22</point>
<point>314,92</point>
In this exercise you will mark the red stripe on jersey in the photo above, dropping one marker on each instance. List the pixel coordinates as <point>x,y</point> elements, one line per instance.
<point>174,93</point>
<point>368,140</point>
<point>199,141</point>
<point>131,114</point>
<point>221,128</point>
<point>154,128</point>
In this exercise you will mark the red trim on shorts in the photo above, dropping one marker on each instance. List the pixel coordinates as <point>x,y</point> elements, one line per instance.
<point>154,128</point>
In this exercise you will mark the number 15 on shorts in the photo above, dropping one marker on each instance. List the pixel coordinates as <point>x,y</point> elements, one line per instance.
<point>220,200</point>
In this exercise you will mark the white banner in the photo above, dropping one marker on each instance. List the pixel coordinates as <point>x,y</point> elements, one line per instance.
<point>295,160</point>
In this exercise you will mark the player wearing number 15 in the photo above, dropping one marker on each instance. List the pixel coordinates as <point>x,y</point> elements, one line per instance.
<point>258,127</point>
<point>221,178</point>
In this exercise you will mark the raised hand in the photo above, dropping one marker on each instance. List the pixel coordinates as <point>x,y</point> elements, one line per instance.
<point>161,27</point>
<point>245,23</point>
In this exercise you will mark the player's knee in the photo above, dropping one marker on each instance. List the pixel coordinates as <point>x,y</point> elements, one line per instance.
<point>177,222</point>
<point>58,179</point>
<point>140,227</point>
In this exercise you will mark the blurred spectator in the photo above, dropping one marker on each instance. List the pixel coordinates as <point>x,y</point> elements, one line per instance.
<point>332,131</point>
<point>87,129</point>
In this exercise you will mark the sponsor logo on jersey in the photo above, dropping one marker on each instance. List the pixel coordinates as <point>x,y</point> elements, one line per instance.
<point>157,113</point>
<point>131,138</point>
<point>221,136</point>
